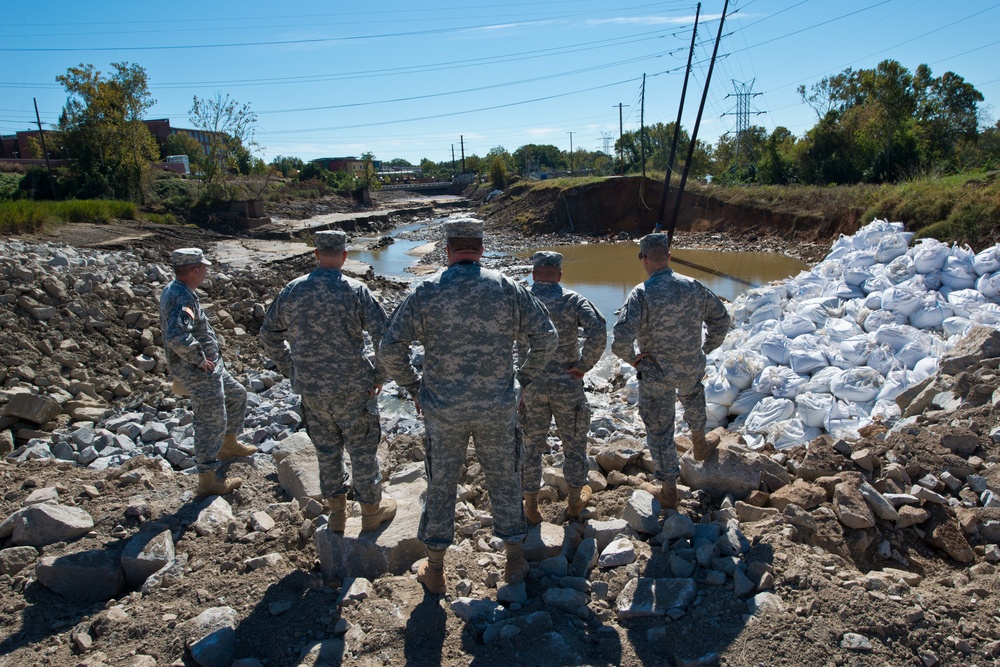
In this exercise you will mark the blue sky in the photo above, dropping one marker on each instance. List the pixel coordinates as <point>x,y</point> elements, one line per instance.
<point>415,79</point>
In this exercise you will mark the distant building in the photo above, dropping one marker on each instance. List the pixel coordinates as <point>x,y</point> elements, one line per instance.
<point>351,164</point>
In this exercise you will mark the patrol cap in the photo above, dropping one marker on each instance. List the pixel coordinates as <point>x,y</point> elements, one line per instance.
<point>463,228</point>
<point>547,258</point>
<point>188,257</point>
<point>651,241</point>
<point>330,240</point>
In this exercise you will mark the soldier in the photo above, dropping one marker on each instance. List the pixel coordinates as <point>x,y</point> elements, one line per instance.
<point>665,316</point>
<point>218,401</point>
<point>467,319</point>
<point>558,390</point>
<point>315,333</point>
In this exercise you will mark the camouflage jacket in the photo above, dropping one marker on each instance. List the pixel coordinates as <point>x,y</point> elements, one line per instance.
<point>569,312</point>
<point>314,332</point>
<point>188,338</point>
<point>665,315</point>
<point>467,319</point>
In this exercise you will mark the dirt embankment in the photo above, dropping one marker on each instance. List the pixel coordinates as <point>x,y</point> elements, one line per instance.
<point>631,205</point>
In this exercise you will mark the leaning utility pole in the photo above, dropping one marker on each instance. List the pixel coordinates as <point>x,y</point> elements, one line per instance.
<point>677,125</point>
<point>461,139</point>
<point>621,142</point>
<point>45,152</point>
<point>694,132</point>
<point>642,126</point>
<point>570,153</point>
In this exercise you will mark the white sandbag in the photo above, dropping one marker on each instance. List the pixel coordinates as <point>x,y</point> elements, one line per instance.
<point>881,318</point>
<point>839,329</point>
<point>793,326</point>
<point>874,300</point>
<point>890,247</point>
<point>883,360</point>
<point>877,283</point>
<point>819,382</point>
<point>768,311</point>
<point>790,433</point>
<point>768,411</point>
<point>989,286</point>
<point>932,311</point>
<point>779,381</point>
<point>844,291</point>
<point>857,349</point>
<point>885,411</point>
<point>900,300</point>
<point>895,384</point>
<point>813,408</point>
<point>965,301</point>
<point>931,280</point>
<point>716,414</point>
<point>719,391</point>
<point>844,419</point>
<point>745,401</point>
<point>857,384</point>
<point>956,326</point>
<point>740,368</point>
<point>868,236</point>
<point>841,247</point>
<point>760,296</point>
<point>958,273</point>
<point>896,336</point>
<point>925,368</point>
<point>899,270</point>
<point>804,361</point>
<point>856,277</point>
<point>858,259</point>
<point>775,347</point>
<point>837,359</point>
<point>987,261</point>
<point>929,255</point>
<point>987,315</point>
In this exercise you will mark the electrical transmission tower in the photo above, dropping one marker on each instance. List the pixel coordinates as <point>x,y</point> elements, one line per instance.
<point>607,138</point>
<point>744,109</point>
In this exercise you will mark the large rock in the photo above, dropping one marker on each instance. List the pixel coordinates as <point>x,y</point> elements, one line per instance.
<point>211,637</point>
<point>33,407</point>
<point>41,525</point>
<point>643,596</point>
<point>605,531</point>
<point>545,540</point>
<point>393,548</point>
<point>15,559</point>
<point>730,469</point>
<point>850,506</point>
<point>943,532</point>
<point>147,552</point>
<point>800,492</point>
<point>298,467</point>
<point>217,515</point>
<point>882,508</point>
<point>87,575</point>
<point>642,511</point>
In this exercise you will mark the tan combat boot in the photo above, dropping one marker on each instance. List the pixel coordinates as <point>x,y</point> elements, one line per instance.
<point>579,496</point>
<point>516,568</point>
<point>431,572</point>
<point>665,493</point>
<point>702,445</point>
<point>531,512</point>
<point>231,447</point>
<point>374,515</point>
<point>210,484</point>
<point>338,512</point>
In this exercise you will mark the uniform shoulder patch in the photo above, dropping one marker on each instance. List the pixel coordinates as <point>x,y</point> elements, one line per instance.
<point>189,311</point>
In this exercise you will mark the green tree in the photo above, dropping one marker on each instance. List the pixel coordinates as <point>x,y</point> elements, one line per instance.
<point>501,163</point>
<point>103,130</point>
<point>369,177</point>
<point>231,127</point>
<point>547,156</point>
<point>286,165</point>
<point>182,143</point>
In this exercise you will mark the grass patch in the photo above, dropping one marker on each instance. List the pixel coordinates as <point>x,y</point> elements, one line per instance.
<point>8,184</point>
<point>161,218</point>
<point>29,216</point>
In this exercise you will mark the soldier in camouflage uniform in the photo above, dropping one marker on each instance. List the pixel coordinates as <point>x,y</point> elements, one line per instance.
<point>315,332</point>
<point>467,319</point>
<point>558,389</point>
<point>664,315</point>
<point>218,401</point>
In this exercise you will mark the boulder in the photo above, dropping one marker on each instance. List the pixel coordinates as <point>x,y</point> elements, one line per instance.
<point>147,552</point>
<point>644,596</point>
<point>44,524</point>
<point>850,506</point>
<point>88,575</point>
<point>211,637</point>
<point>34,408</point>
<point>800,492</point>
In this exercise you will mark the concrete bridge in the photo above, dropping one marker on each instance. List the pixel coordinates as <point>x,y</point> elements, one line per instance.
<point>440,188</point>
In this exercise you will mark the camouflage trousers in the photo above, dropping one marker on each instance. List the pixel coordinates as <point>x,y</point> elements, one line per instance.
<point>568,404</point>
<point>219,403</point>
<point>656,407</point>
<point>347,421</point>
<point>498,451</point>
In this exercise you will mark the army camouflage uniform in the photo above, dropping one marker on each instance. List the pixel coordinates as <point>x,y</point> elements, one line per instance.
<point>314,332</point>
<point>665,315</point>
<point>467,319</point>
<point>218,400</point>
<point>556,393</point>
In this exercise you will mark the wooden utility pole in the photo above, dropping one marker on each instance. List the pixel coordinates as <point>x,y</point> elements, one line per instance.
<point>621,143</point>
<point>570,153</point>
<point>45,152</point>
<point>461,143</point>
<point>642,126</point>
<point>694,132</point>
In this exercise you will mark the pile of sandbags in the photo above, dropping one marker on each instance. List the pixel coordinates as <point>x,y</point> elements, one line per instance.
<point>829,350</point>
